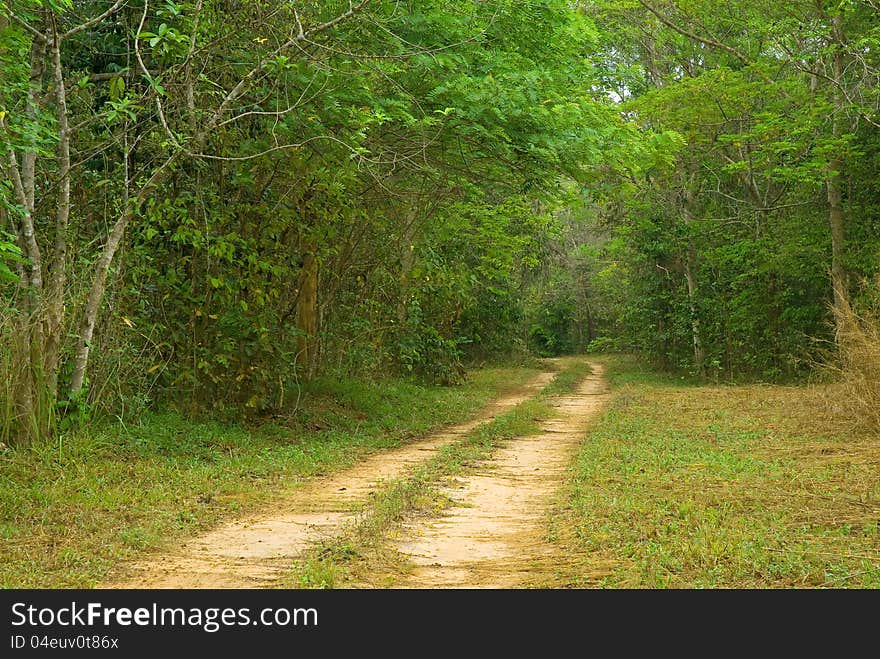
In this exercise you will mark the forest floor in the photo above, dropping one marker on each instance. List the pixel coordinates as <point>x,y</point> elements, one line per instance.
<point>489,535</point>
<point>75,511</point>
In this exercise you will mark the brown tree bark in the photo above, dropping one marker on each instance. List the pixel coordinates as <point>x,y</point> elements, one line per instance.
<point>31,412</point>
<point>307,316</point>
<point>99,281</point>
<point>690,260</point>
<point>836,221</point>
<point>696,330</point>
<point>57,283</point>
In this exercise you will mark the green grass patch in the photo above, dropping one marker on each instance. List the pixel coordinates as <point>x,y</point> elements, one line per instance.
<point>74,508</point>
<point>721,487</point>
<point>572,373</point>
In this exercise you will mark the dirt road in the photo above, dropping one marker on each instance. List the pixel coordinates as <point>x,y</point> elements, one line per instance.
<point>493,537</point>
<point>254,552</point>
<point>496,534</point>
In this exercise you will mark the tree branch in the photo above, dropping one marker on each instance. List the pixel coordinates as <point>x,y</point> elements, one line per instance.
<point>693,36</point>
<point>137,52</point>
<point>242,84</point>
<point>94,21</point>
<point>34,32</point>
<point>265,152</point>
<point>279,113</point>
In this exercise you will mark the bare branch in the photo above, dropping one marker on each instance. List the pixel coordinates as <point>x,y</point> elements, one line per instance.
<point>27,236</point>
<point>102,77</point>
<point>97,19</point>
<point>35,87</point>
<point>279,147</point>
<point>300,32</point>
<point>243,83</point>
<point>695,37</point>
<point>279,113</point>
<point>34,32</point>
<point>836,83</point>
<point>140,59</point>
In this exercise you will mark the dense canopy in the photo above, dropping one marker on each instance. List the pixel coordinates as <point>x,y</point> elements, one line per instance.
<point>205,203</point>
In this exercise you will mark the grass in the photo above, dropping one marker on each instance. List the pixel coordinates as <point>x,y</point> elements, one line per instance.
<point>675,486</point>
<point>855,365</point>
<point>759,486</point>
<point>572,372</point>
<point>72,509</point>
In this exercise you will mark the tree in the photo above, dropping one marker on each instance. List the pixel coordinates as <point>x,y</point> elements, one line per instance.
<point>752,91</point>
<point>264,168</point>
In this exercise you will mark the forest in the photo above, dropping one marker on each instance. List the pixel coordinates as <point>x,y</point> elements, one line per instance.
<point>213,210</point>
<point>205,204</point>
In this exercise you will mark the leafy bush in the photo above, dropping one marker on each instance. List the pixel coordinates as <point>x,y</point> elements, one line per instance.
<point>421,350</point>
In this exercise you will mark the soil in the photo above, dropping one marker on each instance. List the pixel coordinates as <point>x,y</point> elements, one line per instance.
<point>495,535</point>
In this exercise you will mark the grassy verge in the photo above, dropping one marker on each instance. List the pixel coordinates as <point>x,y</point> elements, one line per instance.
<point>680,486</point>
<point>70,510</point>
<point>361,553</point>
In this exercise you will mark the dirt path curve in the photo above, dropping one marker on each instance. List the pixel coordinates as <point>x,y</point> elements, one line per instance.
<point>496,537</point>
<point>254,552</point>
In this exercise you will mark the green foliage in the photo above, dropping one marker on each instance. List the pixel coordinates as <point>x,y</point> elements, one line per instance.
<point>495,119</point>
<point>716,251</point>
<point>420,349</point>
<point>9,253</point>
<point>549,332</point>
<point>467,188</point>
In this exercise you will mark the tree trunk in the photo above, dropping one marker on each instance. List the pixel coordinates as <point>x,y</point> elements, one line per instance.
<point>307,316</point>
<point>99,281</point>
<point>93,304</point>
<point>699,356</point>
<point>23,184</point>
<point>836,216</point>
<point>688,209</point>
<point>32,416</point>
<point>57,283</point>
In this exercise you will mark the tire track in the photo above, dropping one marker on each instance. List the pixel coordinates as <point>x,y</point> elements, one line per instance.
<point>495,534</point>
<point>256,551</point>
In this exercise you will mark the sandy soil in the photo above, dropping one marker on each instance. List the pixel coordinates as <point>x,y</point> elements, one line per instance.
<point>495,535</point>
<point>255,551</point>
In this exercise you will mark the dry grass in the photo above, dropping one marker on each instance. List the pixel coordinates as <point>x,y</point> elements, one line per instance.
<point>855,395</point>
